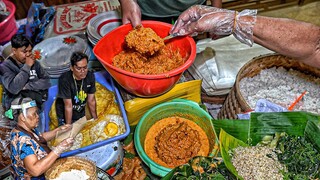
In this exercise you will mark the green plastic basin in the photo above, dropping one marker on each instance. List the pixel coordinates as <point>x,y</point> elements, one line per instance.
<point>178,107</point>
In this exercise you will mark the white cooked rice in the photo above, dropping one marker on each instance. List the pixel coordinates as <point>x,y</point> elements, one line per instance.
<point>73,175</point>
<point>282,87</point>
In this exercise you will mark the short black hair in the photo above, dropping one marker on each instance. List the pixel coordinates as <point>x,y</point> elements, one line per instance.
<point>78,56</point>
<point>19,40</point>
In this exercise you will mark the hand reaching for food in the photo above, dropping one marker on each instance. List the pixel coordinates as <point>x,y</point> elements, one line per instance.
<point>63,146</point>
<point>218,22</point>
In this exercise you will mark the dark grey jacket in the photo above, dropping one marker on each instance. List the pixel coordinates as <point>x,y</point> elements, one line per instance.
<point>16,77</point>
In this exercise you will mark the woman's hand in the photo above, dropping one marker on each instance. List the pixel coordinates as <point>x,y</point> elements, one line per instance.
<point>131,12</point>
<point>63,146</point>
<point>199,18</point>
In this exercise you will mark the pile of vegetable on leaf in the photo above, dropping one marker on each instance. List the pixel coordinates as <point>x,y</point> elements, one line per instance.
<point>268,146</point>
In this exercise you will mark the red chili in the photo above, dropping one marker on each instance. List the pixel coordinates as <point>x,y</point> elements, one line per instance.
<point>111,171</point>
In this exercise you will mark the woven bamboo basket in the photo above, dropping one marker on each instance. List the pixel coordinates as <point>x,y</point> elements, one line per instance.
<point>235,102</point>
<point>69,163</point>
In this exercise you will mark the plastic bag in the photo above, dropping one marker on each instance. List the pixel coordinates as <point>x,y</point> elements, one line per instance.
<point>219,71</point>
<point>39,16</point>
<point>4,145</point>
<point>264,105</point>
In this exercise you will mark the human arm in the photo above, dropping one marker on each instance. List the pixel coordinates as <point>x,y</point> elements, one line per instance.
<point>278,34</point>
<point>92,104</point>
<point>13,78</point>
<point>289,37</point>
<point>43,81</point>
<point>216,3</point>
<point>67,111</point>
<point>52,134</point>
<point>91,99</point>
<point>37,167</point>
<point>131,12</point>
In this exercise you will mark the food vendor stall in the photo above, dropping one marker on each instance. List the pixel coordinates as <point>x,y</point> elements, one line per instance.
<point>220,102</point>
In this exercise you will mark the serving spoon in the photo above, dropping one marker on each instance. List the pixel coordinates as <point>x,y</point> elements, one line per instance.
<point>170,36</point>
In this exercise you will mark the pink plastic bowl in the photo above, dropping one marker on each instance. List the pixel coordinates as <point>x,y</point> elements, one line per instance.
<point>8,27</point>
<point>138,84</point>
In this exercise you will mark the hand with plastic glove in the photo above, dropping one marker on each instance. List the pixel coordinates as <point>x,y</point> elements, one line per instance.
<point>63,146</point>
<point>218,22</point>
<point>131,12</point>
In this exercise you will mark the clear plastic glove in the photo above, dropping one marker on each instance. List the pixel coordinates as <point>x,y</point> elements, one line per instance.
<point>218,22</point>
<point>131,12</point>
<point>63,146</point>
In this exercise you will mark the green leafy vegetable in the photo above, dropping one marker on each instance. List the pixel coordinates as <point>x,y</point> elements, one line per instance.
<point>129,155</point>
<point>200,168</point>
<point>300,157</point>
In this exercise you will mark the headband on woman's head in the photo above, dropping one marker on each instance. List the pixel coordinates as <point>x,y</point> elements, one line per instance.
<point>23,107</point>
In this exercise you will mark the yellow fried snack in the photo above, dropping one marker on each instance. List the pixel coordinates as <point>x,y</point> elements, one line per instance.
<point>111,129</point>
<point>144,40</point>
<point>105,127</point>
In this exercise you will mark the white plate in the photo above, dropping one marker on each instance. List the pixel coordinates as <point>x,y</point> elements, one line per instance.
<point>108,25</point>
<point>55,52</point>
<point>103,23</point>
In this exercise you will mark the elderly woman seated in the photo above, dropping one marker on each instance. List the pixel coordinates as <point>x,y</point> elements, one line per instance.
<point>30,155</point>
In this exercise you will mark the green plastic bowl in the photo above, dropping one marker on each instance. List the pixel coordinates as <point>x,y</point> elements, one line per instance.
<point>178,107</point>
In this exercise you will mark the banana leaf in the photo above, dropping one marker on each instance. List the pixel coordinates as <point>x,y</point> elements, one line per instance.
<point>227,143</point>
<point>263,124</point>
<point>312,133</point>
<point>293,123</point>
<point>236,128</point>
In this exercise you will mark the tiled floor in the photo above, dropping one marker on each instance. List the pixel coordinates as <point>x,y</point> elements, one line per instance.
<point>309,13</point>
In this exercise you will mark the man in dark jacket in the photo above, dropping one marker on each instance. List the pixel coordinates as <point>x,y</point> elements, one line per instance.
<point>22,75</point>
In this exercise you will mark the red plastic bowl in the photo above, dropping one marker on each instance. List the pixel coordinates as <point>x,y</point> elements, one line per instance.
<point>8,27</point>
<point>138,84</point>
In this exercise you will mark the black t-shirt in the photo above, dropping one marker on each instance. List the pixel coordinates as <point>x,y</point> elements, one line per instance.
<point>68,90</point>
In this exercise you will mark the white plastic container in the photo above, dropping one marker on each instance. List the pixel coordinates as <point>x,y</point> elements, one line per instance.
<point>108,157</point>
